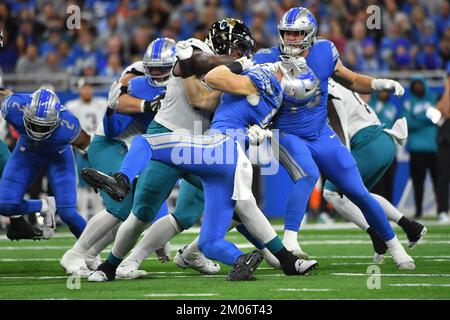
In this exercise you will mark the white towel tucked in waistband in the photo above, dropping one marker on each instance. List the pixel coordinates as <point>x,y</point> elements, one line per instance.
<point>243,176</point>
<point>399,131</point>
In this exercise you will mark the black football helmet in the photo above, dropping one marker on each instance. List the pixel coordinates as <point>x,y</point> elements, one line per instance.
<point>230,36</point>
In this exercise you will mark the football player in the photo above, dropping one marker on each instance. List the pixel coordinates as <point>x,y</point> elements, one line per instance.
<point>374,149</point>
<point>47,133</point>
<point>249,99</point>
<point>145,85</point>
<point>307,143</point>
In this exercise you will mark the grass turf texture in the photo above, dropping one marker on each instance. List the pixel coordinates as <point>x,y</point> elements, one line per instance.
<point>30,270</point>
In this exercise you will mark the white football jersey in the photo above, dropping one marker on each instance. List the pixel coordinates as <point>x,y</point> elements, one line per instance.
<point>353,112</point>
<point>176,113</point>
<point>89,114</point>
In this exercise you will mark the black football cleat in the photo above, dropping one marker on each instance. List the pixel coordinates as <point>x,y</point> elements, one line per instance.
<point>245,266</point>
<point>379,246</point>
<point>20,229</point>
<point>116,186</point>
<point>414,231</point>
<point>105,272</point>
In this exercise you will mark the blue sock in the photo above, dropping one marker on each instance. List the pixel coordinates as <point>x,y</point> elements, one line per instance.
<point>297,202</point>
<point>73,219</point>
<point>243,230</point>
<point>375,216</point>
<point>137,158</point>
<point>22,208</point>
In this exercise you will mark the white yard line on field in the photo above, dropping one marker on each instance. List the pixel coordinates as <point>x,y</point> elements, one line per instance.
<point>420,285</point>
<point>156,295</point>
<point>303,289</point>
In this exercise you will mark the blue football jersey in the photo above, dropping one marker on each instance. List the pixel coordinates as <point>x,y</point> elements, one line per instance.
<point>305,120</point>
<point>67,131</point>
<point>236,112</point>
<point>141,88</point>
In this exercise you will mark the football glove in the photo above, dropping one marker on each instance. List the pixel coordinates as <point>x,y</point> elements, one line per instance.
<point>256,134</point>
<point>114,94</point>
<point>388,85</point>
<point>183,50</point>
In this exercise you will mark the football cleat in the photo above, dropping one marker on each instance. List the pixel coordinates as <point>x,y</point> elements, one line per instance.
<point>195,261</point>
<point>245,266</point>
<point>378,258</point>
<point>403,260</point>
<point>74,263</point>
<point>129,269</point>
<point>20,229</point>
<point>163,253</point>
<point>296,250</point>
<point>93,262</point>
<point>379,246</point>
<point>49,214</point>
<point>98,276</point>
<point>305,266</point>
<point>116,186</point>
<point>271,259</point>
<point>105,272</point>
<point>415,231</point>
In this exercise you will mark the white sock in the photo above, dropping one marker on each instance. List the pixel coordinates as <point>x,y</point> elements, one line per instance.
<point>156,236</point>
<point>192,250</point>
<point>346,208</point>
<point>391,211</point>
<point>127,236</point>
<point>44,207</point>
<point>102,243</point>
<point>96,229</point>
<point>290,238</point>
<point>254,220</point>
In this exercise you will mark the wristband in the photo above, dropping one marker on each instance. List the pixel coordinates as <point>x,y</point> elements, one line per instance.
<point>235,67</point>
<point>186,68</point>
<point>124,89</point>
<point>143,106</point>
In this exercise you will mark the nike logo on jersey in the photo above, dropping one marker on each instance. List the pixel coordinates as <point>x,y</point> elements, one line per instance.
<point>332,136</point>
<point>61,151</point>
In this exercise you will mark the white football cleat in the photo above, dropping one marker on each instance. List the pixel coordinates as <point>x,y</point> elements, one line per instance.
<point>443,218</point>
<point>403,260</point>
<point>271,259</point>
<point>97,276</point>
<point>305,266</point>
<point>49,214</point>
<point>378,258</point>
<point>196,261</point>
<point>295,249</point>
<point>93,262</point>
<point>73,263</point>
<point>129,269</point>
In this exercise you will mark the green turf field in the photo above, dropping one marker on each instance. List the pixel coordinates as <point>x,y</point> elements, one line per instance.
<point>30,270</point>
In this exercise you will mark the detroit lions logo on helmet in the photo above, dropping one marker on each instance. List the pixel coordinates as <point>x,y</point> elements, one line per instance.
<point>301,87</point>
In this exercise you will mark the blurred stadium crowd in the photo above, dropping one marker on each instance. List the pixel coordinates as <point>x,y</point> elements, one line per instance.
<point>415,33</point>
